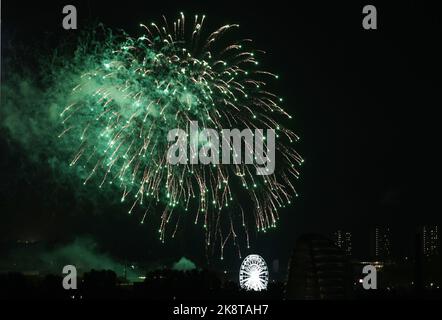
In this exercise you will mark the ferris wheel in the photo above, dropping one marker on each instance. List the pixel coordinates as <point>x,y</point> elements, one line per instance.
<point>253,273</point>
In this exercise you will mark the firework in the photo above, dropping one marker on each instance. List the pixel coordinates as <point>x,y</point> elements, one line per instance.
<point>129,92</point>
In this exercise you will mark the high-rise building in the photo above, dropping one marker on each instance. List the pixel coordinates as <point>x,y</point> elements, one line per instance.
<point>318,270</point>
<point>382,243</point>
<point>431,240</point>
<point>342,239</point>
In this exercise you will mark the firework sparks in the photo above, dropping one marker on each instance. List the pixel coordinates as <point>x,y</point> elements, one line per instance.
<point>134,90</point>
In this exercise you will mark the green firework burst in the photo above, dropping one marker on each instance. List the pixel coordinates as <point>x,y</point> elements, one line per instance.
<point>127,94</point>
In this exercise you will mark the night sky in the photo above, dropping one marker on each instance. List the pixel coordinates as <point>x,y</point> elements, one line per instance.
<point>362,104</point>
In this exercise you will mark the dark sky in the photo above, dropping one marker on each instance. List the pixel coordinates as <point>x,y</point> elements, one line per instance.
<point>362,102</point>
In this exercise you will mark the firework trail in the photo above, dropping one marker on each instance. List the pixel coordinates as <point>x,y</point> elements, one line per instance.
<point>127,93</point>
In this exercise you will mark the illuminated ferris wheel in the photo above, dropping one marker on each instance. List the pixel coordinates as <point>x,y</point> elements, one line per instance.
<point>253,273</point>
